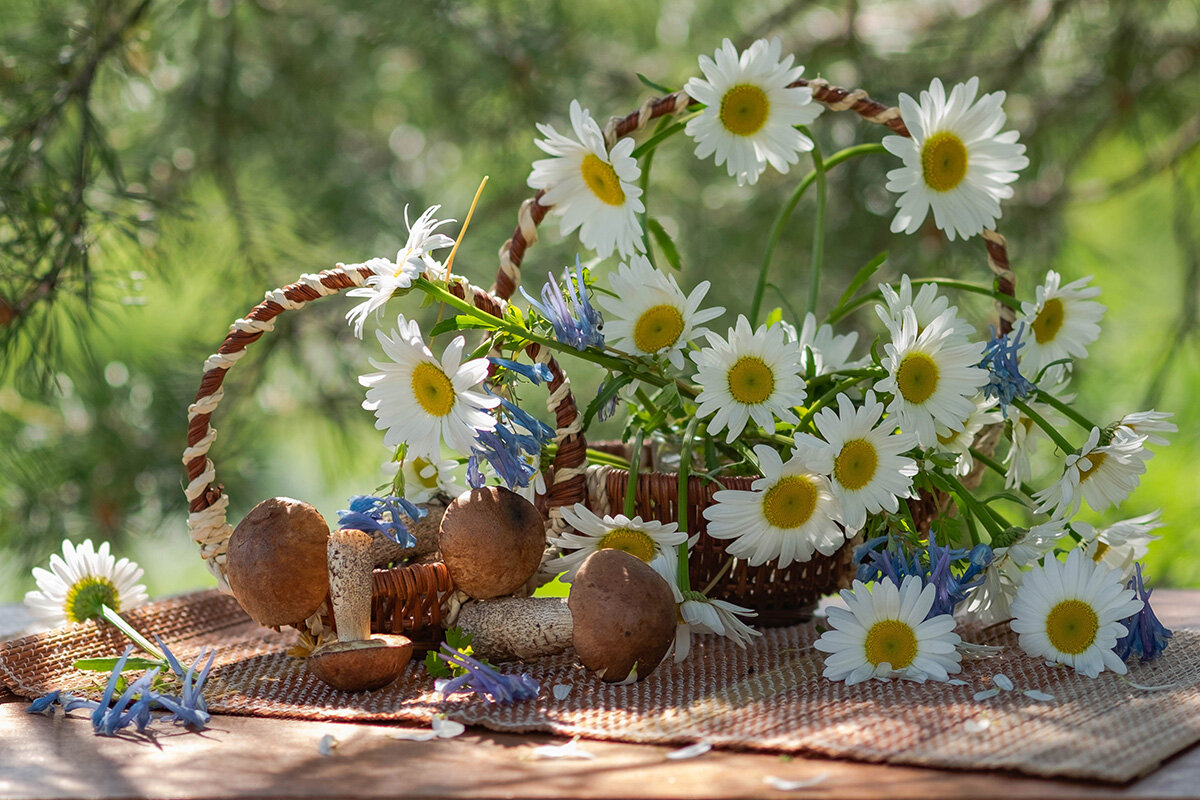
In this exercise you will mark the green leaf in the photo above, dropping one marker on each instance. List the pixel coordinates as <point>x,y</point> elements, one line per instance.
<point>435,666</point>
<point>107,664</point>
<point>658,87</point>
<point>775,316</point>
<point>460,322</point>
<point>664,242</point>
<point>607,392</point>
<point>862,276</point>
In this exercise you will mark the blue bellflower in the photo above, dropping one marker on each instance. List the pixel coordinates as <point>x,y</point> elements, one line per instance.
<point>534,373</point>
<point>366,513</point>
<point>1005,381</point>
<point>877,563</point>
<point>1146,637</point>
<point>505,450</point>
<point>579,325</point>
<point>494,687</point>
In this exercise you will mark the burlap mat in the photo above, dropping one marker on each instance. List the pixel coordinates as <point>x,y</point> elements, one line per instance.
<point>769,697</point>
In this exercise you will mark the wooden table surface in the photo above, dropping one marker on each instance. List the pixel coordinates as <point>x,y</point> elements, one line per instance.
<point>50,757</point>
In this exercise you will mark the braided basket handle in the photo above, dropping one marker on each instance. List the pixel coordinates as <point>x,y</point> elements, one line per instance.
<point>207,502</point>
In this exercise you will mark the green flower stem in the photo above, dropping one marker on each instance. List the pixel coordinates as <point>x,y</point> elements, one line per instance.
<point>635,463</point>
<point>124,627</point>
<point>658,138</point>
<point>780,223</point>
<point>1066,411</point>
<point>949,283</point>
<point>681,506</point>
<point>998,468</point>
<point>644,185</point>
<point>608,459</point>
<point>1042,423</point>
<point>990,519</point>
<point>716,578</point>
<point>818,244</point>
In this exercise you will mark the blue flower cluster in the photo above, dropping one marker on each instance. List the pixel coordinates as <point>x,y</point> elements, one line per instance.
<point>366,513</point>
<point>1146,637</point>
<point>1005,381</point>
<point>135,704</point>
<point>492,686</point>
<point>934,565</point>
<point>510,448</point>
<point>578,325</point>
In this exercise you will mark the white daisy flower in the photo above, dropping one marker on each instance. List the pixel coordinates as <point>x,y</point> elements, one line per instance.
<point>1071,613</point>
<point>425,478</point>
<point>868,474</point>
<point>421,401</point>
<point>650,314</point>
<point>959,442</point>
<point>751,375</point>
<point>830,351</point>
<point>752,113</point>
<point>956,162</point>
<point>390,276</point>
<point>883,633</point>
<point>1121,544</point>
<point>932,376</point>
<point>700,614</point>
<point>80,581</point>
<point>990,602</point>
<point>1149,424</point>
<point>1103,475</point>
<point>1061,323</point>
<point>789,512</point>
<point>592,188</point>
<point>927,304</point>
<point>651,541</point>
<point>1025,434</point>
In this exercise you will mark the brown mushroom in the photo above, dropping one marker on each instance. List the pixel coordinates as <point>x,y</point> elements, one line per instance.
<point>356,662</point>
<point>623,614</point>
<point>276,562</point>
<point>492,541</point>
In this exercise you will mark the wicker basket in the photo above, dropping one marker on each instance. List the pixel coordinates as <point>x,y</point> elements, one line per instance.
<point>416,598</point>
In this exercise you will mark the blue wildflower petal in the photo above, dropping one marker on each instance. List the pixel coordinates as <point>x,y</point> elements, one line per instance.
<point>106,698</point>
<point>578,327</point>
<point>70,702</point>
<point>44,702</point>
<point>1005,381</point>
<point>363,503</point>
<point>366,514</point>
<point>172,661</point>
<point>1145,636</point>
<point>543,432</point>
<point>190,716</point>
<point>504,451</point>
<point>492,686</point>
<point>534,373</point>
<point>114,719</point>
<point>475,477</point>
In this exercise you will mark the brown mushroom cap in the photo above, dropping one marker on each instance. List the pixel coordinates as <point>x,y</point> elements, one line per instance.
<point>276,562</point>
<point>623,613</point>
<point>492,541</point>
<point>361,666</point>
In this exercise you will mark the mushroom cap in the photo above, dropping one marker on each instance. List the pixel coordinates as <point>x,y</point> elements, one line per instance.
<point>492,541</point>
<point>623,614</point>
<point>361,666</point>
<point>276,562</point>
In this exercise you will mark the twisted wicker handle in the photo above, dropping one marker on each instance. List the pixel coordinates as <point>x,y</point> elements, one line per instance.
<point>207,502</point>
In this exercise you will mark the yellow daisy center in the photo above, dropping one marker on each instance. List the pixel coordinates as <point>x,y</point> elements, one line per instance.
<point>86,595</point>
<point>1049,321</point>
<point>433,389</point>
<point>751,381</point>
<point>1097,459</point>
<point>602,179</point>
<point>657,328</point>
<point>422,466</point>
<point>943,161</point>
<point>855,465</point>
<point>790,503</point>
<point>1101,549</point>
<point>744,109</point>
<point>636,543</point>
<point>1071,626</point>
<point>917,377</point>
<point>891,641</point>
<point>948,438</point>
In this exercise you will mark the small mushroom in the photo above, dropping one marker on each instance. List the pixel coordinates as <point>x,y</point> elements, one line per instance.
<point>623,614</point>
<point>276,562</point>
<point>356,662</point>
<point>492,541</point>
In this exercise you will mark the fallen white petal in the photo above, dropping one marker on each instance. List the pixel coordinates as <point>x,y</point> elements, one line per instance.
<point>561,691</point>
<point>985,694</point>
<point>956,682</point>
<point>691,751</point>
<point>570,750</point>
<point>791,786</point>
<point>977,725</point>
<point>326,745</point>
<point>1141,687</point>
<point>446,728</point>
<point>972,650</point>
<point>1034,694</point>
<point>1003,682</point>
<point>413,735</point>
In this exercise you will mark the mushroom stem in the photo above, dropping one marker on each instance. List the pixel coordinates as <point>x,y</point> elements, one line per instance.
<point>517,627</point>
<point>350,569</point>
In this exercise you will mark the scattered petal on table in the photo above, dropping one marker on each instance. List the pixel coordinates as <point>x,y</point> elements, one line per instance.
<point>691,751</point>
<point>446,728</point>
<point>1041,697</point>
<point>1001,680</point>
<point>784,785</point>
<point>570,750</point>
<point>413,735</point>
<point>561,691</point>
<point>977,725</point>
<point>1141,687</point>
<point>327,744</point>
<point>985,694</point>
<point>956,682</point>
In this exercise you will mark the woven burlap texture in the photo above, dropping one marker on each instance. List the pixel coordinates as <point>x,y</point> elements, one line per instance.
<point>769,697</point>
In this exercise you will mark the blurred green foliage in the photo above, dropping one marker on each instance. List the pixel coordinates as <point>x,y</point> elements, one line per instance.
<point>162,164</point>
